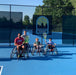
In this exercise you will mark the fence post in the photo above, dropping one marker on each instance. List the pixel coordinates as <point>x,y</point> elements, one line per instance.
<point>10,28</point>
<point>42,34</point>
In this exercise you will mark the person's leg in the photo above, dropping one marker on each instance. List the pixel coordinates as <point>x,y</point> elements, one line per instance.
<point>52,49</point>
<point>22,50</point>
<point>55,49</point>
<point>27,50</point>
<point>18,49</point>
<point>38,49</point>
<point>33,50</point>
<point>27,46</point>
<point>46,48</point>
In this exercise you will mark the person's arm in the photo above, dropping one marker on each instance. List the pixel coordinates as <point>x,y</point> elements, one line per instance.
<point>22,39</point>
<point>35,44</point>
<point>53,43</point>
<point>15,42</point>
<point>45,41</point>
<point>39,43</point>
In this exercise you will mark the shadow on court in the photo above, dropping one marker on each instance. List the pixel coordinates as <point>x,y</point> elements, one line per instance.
<point>62,55</point>
<point>9,59</point>
<point>5,59</point>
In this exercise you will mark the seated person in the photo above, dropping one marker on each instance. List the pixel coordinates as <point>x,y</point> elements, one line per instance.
<point>36,46</point>
<point>37,43</point>
<point>18,42</point>
<point>50,44</point>
<point>25,43</point>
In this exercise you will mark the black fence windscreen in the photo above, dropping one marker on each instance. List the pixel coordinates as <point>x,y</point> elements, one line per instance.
<point>10,26</point>
<point>15,19</point>
<point>69,29</point>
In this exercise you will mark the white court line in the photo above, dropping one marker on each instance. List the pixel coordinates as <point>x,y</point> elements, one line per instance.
<point>1,69</point>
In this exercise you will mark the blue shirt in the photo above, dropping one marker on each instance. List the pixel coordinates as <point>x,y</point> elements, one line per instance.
<point>50,42</point>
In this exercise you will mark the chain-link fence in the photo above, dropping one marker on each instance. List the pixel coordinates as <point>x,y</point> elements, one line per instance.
<point>15,18</point>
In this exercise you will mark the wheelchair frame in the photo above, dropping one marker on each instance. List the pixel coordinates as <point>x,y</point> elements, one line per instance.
<point>48,50</point>
<point>38,50</point>
<point>15,52</point>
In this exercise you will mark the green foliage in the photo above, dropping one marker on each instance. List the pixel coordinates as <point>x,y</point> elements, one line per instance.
<point>73,3</point>
<point>27,23</point>
<point>56,8</point>
<point>31,21</point>
<point>38,11</point>
<point>26,20</point>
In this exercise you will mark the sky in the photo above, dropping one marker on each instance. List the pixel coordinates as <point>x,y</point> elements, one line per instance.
<point>25,10</point>
<point>22,2</point>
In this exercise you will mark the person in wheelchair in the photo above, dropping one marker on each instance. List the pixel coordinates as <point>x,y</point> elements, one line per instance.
<point>36,46</point>
<point>50,45</point>
<point>25,43</point>
<point>18,43</point>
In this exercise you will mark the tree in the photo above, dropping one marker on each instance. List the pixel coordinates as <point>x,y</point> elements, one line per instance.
<point>26,20</point>
<point>56,8</point>
<point>31,21</point>
<point>38,10</point>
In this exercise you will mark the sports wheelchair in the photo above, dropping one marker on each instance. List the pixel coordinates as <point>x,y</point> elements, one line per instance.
<point>39,49</point>
<point>14,52</point>
<point>50,48</point>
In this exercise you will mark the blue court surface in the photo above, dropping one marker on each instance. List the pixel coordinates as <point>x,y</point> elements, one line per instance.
<point>62,64</point>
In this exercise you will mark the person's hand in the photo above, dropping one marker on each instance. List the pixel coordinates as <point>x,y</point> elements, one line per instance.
<point>19,45</point>
<point>34,44</point>
<point>55,43</point>
<point>45,40</point>
<point>37,46</point>
<point>49,44</point>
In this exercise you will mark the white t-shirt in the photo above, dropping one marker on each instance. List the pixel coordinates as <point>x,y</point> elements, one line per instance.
<point>25,38</point>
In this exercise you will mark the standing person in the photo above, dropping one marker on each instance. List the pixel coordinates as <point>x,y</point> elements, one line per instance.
<point>18,42</point>
<point>25,43</point>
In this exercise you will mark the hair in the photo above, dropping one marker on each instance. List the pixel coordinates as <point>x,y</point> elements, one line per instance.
<point>24,31</point>
<point>50,38</point>
<point>37,38</point>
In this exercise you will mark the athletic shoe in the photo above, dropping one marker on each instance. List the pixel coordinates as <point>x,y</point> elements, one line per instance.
<point>18,56</point>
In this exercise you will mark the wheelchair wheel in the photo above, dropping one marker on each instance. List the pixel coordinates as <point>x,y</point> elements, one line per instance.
<point>33,50</point>
<point>55,50</point>
<point>39,50</point>
<point>14,52</point>
<point>29,48</point>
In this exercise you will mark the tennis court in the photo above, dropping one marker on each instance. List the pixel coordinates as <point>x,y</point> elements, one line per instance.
<point>61,64</point>
<point>62,31</point>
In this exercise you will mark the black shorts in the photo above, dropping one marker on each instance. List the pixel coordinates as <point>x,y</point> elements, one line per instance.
<point>50,47</point>
<point>25,45</point>
<point>20,48</point>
